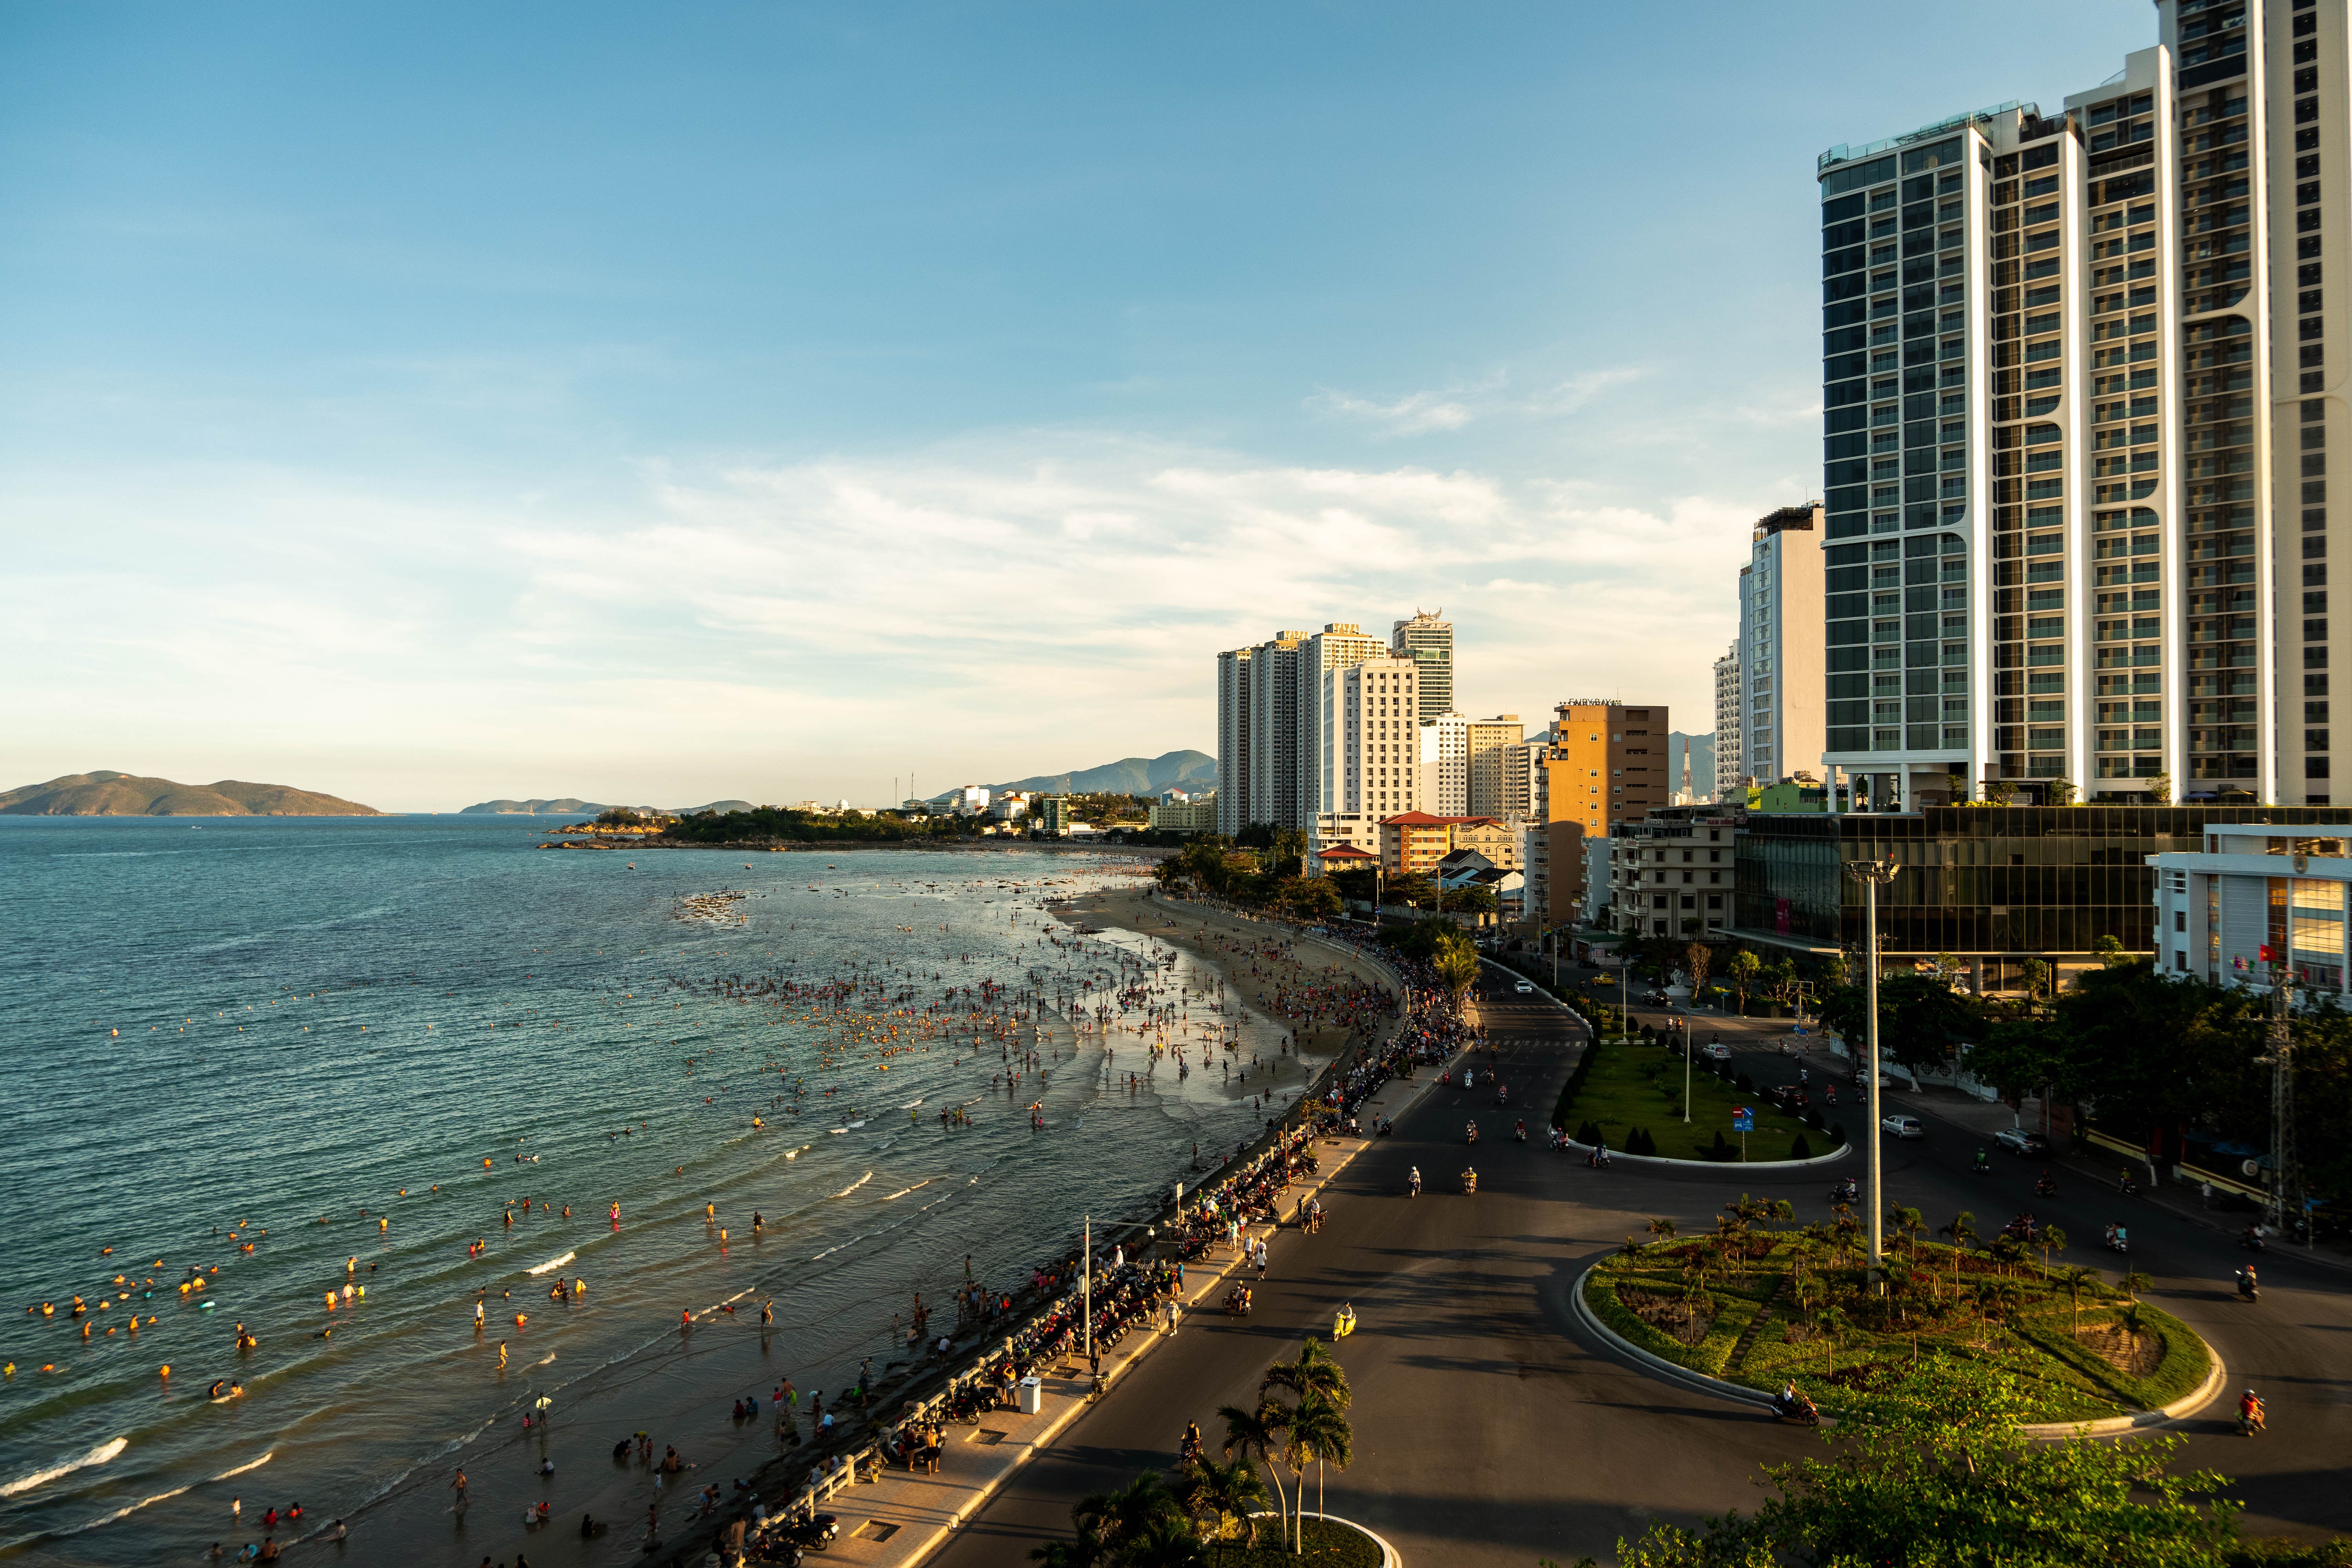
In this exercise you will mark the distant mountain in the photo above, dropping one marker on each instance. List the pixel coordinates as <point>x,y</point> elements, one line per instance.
<point>567,807</point>
<point>721,806</point>
<point>1129,775</point>
<point>107,794</point>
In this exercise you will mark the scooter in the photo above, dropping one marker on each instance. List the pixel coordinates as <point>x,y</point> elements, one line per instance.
<point>1800,1410</point>
<point>2252,1240</point>
<point>2248,1287</point>
<point>2118,1239</point>
<point>2046,1188</point>
<point>1599,1158</point>
<point>1845,1192</point>
<point>2130,1188</point>
<point>1412,1187</point>
<point>1520,1135</point>
<point>813,1534</point>
<point>1984,1162</point>
<point>1472,1135</point>
<point>1469,1182</point>
<point>2250,1422</point>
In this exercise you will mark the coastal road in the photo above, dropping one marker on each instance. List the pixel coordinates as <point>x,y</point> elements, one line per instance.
<point>1489,1432</point>
<point>1486,1432</point>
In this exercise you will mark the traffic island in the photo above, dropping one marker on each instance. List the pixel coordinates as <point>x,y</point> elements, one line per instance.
<point>1745,1310</point>
<point>1329,1544</point>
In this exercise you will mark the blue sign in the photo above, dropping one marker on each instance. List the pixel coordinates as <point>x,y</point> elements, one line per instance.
<point>1742,1119</point>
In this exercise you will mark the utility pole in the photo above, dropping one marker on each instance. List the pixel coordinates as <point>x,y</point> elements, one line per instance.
<point>1687,1069</point>
<point>1087,1288</point>
<point>2282,1065</point>
<point>1873,875</point>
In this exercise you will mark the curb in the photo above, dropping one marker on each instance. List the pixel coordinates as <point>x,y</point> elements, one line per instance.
<point>1775,1166</point>
<point>1389,1557</point>
<point>2187,1404</point>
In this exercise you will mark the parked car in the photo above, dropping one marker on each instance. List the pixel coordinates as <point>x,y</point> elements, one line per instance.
<point>2017,1140</point>
<point>1903,1126</point>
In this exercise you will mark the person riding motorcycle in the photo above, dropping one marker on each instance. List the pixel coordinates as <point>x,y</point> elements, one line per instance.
<point>1472,1135</point>
<point>1984,1159</point>
<point>1520,1132</point>
<point>2250,1413</point>
<point>1470,1180</point>
<point>2248,1285</point>
<point>1412,1182</point>
<point>2048,1184</point>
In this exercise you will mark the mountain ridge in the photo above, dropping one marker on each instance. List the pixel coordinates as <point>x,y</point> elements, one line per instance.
<point>1129,775</point>
<point>106,793</point>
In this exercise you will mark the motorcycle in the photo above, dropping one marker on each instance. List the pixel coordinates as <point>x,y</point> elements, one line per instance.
<point>2046,1188</point>
<point>1473,1134</point>
<point>1412,1187</point>
<point>2252,1240</point>
<point>1519,1134</point>
<point>1599,1158</point>
<point>2129,1187</point>
<point>1829,1096</point>
<point>1984,1162</point>
<point>1845,1192</point>
<point>2250,1421</point>
<point>1503,1095</point>
<point>2248,1286</point>
<point>2118,1239</point>
<point>1800,1409</point>
<point>1469,1182</point>
<point>813,1534</point>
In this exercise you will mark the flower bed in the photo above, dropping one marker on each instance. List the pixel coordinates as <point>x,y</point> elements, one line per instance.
<point>2093,1352</point>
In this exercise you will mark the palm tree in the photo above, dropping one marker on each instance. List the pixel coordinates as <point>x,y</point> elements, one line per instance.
<point>1315,1373</point>
<point>1962,1230</point>
<point>1258,1434</point>
<point>1226,1495</point>
<point>1906,1223</point>
<point>1743,969</point>
<point>1318,1432</point>
<point>1662,1228</point>
<point>2052,1239</point>
<point>1114,1520</point>
<point>1167,1542</point>
<point>2075,1279</point>
<point>2134,1282</point>
<point>1830,1319</point>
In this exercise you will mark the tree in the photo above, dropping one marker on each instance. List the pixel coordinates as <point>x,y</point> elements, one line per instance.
<point>1319,1435</point>
<point>1310,899</point>
<point>1662,1228</point>
<point>1259,1434</point>
<point>1226,1497</point>
<point>2111,952</point>
<point>2074,1278</point>
<point>1457,969</point>
<point>2134,1282</point>
<point>1318,1430</point>
<point>2159,789</point>
<point>1696,959</point>
<point>2061,792</point>
<point>1142,1522</point>
<point>1742,971</point>
<point>1962,1230</point>
<point>2051,1240</point>
<point>1934,1473</point>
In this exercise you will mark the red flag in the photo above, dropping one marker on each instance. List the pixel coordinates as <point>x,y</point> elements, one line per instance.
<point>2266,955</point>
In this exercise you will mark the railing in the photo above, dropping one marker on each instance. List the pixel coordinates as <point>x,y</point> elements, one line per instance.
<point>1843,152</point>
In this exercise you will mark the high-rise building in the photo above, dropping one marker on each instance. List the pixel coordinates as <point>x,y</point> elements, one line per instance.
<point>1233,773</point>
<point>1275,797</point>
<point>1495,759</point>
<point>1607,766</point>
<point>1730,701</point>
<point>1339,646</point>
<point>1444,765</point>
<point>1780,645</point>
<point>1428,642</point>
<point>1371,717</point>
<point>2078,424</point>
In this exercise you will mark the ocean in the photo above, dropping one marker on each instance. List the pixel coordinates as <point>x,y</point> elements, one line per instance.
<point>293,1056</point>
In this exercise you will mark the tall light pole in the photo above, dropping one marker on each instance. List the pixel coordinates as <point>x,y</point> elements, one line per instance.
<point>2281,1062</point>
<point>1872,875</point>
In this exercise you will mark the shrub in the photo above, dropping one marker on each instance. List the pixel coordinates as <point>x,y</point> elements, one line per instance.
<point>1587,1133</point>
<point>1746,1085</point>
<point>1837,1134</point>
<point>1639,1142</point>
<point>1801,1149</point>
<point>1719,1150</point>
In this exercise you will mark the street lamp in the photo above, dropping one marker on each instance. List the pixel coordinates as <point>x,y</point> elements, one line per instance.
<point>1873,875</point>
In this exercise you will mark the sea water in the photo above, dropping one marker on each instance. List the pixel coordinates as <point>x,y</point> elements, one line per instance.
<point>239,1032</point>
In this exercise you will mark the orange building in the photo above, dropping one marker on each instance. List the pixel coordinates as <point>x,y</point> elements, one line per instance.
<point>1414,841</point>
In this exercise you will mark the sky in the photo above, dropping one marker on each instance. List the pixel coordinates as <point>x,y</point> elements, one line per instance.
<point>428,403</point>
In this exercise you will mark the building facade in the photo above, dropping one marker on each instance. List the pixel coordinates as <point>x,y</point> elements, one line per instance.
<point>1340,645</point>
<point>1428,642</point>
<point>1608,765</point>
<point>1275,795</point>
<point>2076,371</point>
<point>2254,894</point>
<point>1444,765</point>
<point>1495,764</point>
<point>1370,716</point>
<point>1779,651</point>
<point>1730,700</point>
<point>1676,872</point>
<point>1234,774</point>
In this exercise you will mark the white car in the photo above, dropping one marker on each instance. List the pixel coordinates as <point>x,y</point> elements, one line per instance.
<point>1716,1052</point>
<point>1525,988</point>
<point>1903,1126</point>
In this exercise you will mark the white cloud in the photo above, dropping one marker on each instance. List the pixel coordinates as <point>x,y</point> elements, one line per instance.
<point>986,609</point>
<point>1453,408</point>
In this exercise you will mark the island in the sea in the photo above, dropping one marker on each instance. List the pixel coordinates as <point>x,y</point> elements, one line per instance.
<point>107,794</point>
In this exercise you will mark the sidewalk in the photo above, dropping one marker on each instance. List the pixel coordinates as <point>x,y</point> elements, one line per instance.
<point>899,1519</point>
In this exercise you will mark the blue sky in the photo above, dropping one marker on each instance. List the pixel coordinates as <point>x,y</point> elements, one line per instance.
<point>427,404</point>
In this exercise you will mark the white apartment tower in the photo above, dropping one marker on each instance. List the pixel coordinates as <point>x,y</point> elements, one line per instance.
<point>1730,700</point>
<point>1340,645</point>
<point>1445,765</point>
<point>2080,410</point>
<point>1370,754</point>
<point>1428,641</point>
<point>1779,649</point>
<point>1499,782</point>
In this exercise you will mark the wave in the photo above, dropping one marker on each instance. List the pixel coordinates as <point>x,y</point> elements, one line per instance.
<point>918,1187</point>
<point>128,1509</point>
<point>552,1264</point>
<point>248,1465</point>
<point>97,1456</point>
<point>854,1185</point>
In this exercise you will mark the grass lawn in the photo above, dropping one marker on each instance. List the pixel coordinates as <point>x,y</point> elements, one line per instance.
<point>1329,1544</point>
<point>1633,1085</point>
<point>2091,1352</point>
